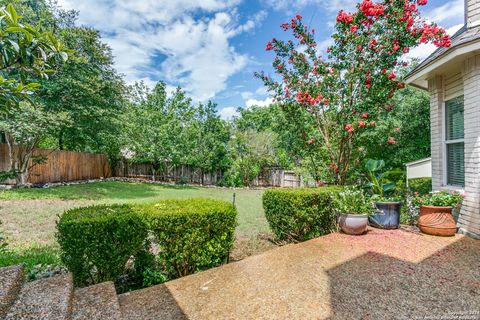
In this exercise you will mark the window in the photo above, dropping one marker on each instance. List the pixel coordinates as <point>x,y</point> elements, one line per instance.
<point>455,152</point>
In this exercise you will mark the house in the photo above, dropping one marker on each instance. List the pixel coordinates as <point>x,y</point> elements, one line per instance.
<point>452,77</point>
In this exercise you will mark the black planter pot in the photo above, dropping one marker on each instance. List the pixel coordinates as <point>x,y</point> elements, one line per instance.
<point>386,216</point>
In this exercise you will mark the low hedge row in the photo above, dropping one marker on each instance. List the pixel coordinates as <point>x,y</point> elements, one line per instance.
<point>193,235</point>
<point>190,235</point>
<point>422,186</point>
<point>300,214</point>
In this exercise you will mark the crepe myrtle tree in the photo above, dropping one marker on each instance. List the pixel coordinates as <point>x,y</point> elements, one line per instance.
<point>344,93</point>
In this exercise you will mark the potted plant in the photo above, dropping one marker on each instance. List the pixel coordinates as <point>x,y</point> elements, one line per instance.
<point>387,213</point>
<point>353,208</point>
<point>436,216</point>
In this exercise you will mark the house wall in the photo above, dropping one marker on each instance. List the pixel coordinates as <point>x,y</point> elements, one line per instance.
<point>469,219</point>
<point>472,12</point>
<point>443,88</point>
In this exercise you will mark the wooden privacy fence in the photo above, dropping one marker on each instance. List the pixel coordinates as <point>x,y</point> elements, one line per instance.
<point>269,177</point>
<point>182,173</point>
<point>62,166</point>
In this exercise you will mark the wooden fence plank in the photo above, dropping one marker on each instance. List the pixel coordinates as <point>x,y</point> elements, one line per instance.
<point>62,166</point>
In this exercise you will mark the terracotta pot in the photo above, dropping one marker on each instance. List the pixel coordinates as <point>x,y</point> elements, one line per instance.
<point>354,224</point>
<point>437,221</point>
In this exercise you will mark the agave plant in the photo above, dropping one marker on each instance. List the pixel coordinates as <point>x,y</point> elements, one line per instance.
<point>378,183</point>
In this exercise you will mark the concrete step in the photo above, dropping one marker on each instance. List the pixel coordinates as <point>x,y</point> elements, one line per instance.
<point>150,304</point>
<point>96,302</point>
<point>11,280</point>
<point>49,299</point>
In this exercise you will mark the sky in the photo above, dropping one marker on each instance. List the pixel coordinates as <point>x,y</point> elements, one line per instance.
<point>211,48</point>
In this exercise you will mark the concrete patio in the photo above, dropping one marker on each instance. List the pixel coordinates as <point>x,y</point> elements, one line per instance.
<point>397,274</point>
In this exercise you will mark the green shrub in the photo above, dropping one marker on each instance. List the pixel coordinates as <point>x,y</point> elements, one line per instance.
<point>192,235</point>
<point>98,241</point>
<point>300,214</point>
<point>420,185</point>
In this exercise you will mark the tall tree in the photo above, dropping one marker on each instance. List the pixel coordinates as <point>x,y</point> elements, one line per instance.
<point>157,127</point>
<point>28,54</point>
<point>345,94</point>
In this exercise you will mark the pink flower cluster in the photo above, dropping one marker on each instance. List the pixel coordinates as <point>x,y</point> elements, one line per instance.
<point>344,17</point>
<point>305,97</point>
<point>437,34</point>
<point>370,9</point>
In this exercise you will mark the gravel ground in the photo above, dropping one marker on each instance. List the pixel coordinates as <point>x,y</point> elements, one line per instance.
<point>397,274</point>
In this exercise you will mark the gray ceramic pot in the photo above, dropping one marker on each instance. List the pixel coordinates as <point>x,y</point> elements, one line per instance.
<point>353,223</point>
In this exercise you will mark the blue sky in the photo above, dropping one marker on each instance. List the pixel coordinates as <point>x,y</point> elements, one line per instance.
<point>212,47</point>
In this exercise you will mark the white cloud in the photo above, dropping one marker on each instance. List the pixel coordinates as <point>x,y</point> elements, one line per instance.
<point>259,103</point>
<point>451,12</point>
<point>183,42</point>
<point>228,113</point>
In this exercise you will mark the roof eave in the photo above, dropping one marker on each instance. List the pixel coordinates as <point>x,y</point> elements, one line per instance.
<point>418,77</point>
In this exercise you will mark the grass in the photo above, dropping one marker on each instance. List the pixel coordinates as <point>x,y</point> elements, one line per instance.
<point>29,215</point>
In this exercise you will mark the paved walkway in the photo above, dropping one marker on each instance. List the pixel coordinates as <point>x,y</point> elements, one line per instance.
<point>398,274</point>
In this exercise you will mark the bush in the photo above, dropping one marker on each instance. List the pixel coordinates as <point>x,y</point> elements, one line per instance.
<point>300,214</point>
<point>192,235</point>
<point>98,241</point>
<point>422,186</point>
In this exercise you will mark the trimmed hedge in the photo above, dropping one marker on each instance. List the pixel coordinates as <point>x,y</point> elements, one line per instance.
<point>97,241</point>
<point>300,214</point>
<point>421,185</point>
<point>193,235</point>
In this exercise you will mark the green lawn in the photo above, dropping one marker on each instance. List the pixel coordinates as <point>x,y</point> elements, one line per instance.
<point>29,215</point>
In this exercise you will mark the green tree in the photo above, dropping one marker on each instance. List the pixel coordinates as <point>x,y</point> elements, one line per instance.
<point>24,128</point>
<point>28,54</point>
<point>250,151</point>
<point>89,89</point>
<point>211,135</point>
<point>157,127</point>
<point>408,123</point>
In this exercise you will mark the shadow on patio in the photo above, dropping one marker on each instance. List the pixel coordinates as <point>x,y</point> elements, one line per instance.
<point>379,286</point>
<point>396,274</point>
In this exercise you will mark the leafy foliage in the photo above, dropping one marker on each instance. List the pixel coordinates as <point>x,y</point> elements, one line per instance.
<point>168,130</point>
<point>250,152</point>
<point>24,128</point>
<point>379,184</point>
<point>345,95</point>
<point>441,199</point>
<point>352,201</point>
<point>97,241</point>
<point>421,186</point>
<point>193,235</point>
<point>300,214</point>
<point>26,51</point>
